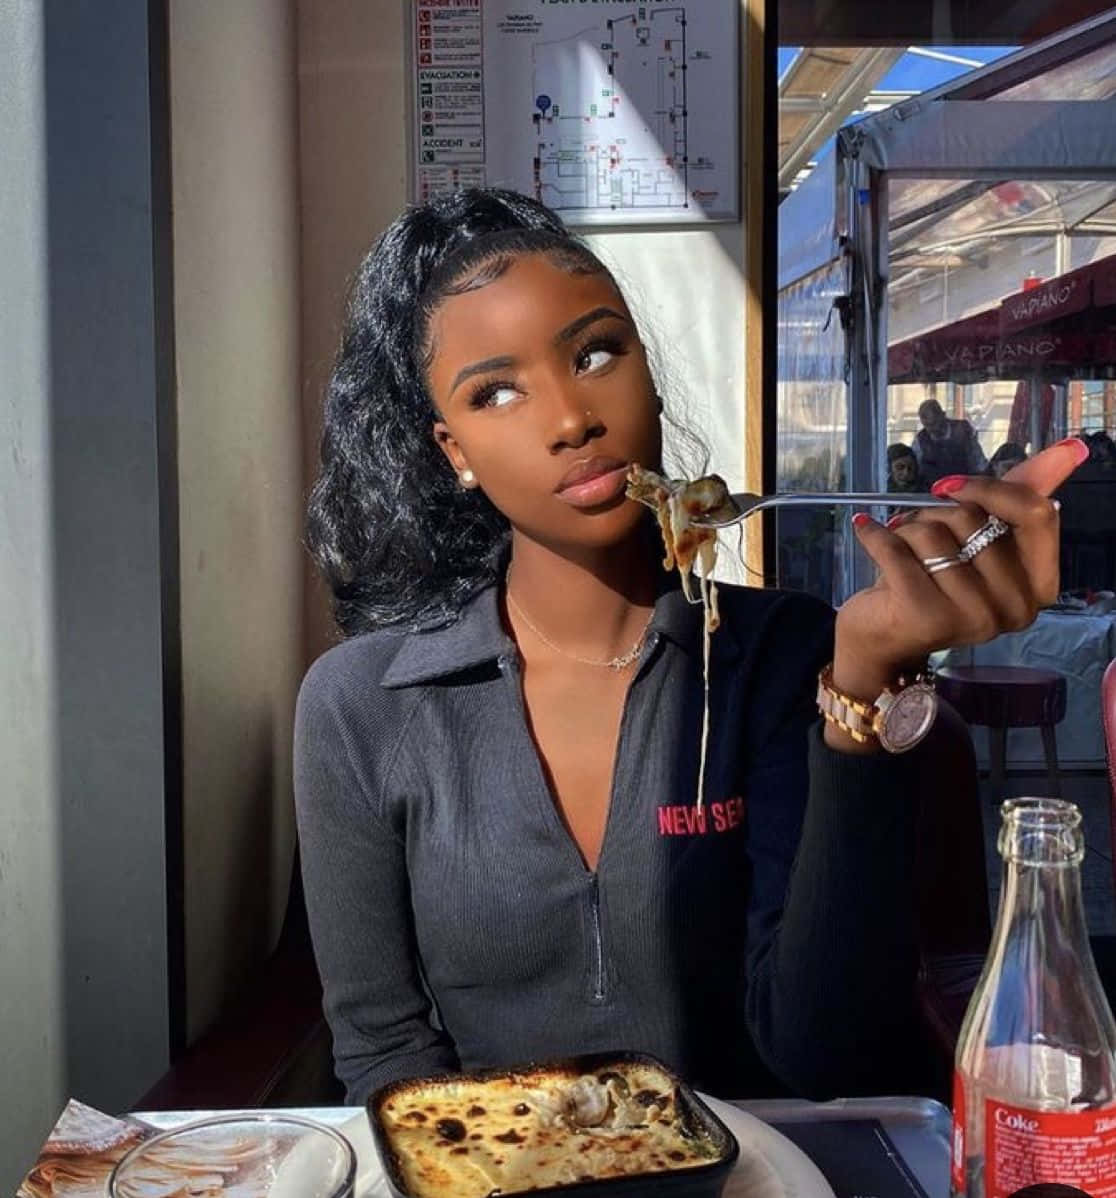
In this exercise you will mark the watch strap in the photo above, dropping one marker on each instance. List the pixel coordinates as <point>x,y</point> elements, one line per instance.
<point>853,716</point>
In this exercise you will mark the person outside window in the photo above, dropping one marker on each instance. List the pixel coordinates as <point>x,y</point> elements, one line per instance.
<point>902,469</point>
<point>945,446</point>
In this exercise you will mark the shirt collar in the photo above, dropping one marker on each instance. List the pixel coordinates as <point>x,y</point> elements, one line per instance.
<point>477,637</point>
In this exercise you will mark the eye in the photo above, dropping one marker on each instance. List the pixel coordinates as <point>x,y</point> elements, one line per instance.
<point>597,354</point>
<point>493,395</point>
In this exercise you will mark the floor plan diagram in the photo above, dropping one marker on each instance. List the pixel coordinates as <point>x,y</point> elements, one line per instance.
<point>610,111</point>
<point>611,114</point>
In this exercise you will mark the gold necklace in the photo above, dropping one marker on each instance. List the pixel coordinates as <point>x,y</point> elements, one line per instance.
<point>614,663</point>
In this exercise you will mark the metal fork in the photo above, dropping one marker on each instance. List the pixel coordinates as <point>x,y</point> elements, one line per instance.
<point>746,502</point>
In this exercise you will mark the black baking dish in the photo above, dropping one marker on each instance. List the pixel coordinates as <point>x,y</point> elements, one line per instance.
<point>695,1181</point>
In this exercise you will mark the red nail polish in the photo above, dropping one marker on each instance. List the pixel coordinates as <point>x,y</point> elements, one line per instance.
<point>1080,448</point>
<point>949,484</point>
<point>860,519</point>
<point>897,519</point>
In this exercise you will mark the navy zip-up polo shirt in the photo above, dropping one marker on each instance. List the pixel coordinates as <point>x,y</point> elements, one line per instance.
<point>455,922</point>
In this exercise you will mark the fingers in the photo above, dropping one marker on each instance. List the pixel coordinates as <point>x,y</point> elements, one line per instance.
<point>975,614</point>
<point>903,574</point>
<point>949,602</point>
<point>1034,524</point>
<point>994,581</point>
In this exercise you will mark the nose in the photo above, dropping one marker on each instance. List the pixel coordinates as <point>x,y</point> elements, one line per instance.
<point>573,421</point>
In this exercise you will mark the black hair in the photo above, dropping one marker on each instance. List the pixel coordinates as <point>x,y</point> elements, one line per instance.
<point>898,450</point>
<point>1010,451</point>
<point>1101,446</point>
<point>397,538</point>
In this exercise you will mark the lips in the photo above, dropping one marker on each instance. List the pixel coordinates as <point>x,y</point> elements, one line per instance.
<point>593,481</point>
<point>589,468</point>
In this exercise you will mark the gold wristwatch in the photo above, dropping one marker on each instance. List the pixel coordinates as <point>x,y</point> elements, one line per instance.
<point>898,719</point>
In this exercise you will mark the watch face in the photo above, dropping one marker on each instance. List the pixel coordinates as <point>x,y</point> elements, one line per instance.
<point>908,718</point>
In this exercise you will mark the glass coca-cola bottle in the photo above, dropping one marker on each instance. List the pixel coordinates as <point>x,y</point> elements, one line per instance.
<point>1035,1083</point>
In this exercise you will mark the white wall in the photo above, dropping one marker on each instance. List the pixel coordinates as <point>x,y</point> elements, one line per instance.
<point>690,284</point>
<point>689,290</point>
<point>31,1058</point>
<point>234,142</point>
<point>82,899</point>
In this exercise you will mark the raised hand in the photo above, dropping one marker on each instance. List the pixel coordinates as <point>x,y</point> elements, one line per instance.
<point>932,593</point>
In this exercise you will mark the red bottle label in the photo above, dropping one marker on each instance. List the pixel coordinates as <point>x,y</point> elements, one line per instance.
<point>957,1147</point>
<point>1022,1147</point>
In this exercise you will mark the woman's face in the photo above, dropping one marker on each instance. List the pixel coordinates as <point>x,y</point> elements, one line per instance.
<point>903,470</point>
<point>544,393</point>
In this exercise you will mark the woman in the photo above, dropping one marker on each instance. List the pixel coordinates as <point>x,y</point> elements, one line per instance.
<point>902,469</point>
<point>496,772</point>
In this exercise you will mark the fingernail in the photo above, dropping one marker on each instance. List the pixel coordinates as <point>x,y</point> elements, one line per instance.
<point>897,519</point>
<point>949,484</point>
<point>1079,447</point>
<point>860,519</point>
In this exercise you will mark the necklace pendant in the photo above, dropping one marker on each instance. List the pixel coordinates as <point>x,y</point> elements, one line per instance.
<point>625,659</point>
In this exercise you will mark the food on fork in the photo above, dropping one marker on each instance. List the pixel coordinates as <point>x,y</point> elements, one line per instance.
<point>677,504</point>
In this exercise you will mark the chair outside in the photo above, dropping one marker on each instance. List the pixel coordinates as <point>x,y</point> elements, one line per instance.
<point>1003,697</point>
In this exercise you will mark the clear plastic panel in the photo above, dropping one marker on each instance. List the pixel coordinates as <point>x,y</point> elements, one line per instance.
<point>812,422</point>
<point>956,256</point>
<point>1002,312</point>
<point>1090,77</point>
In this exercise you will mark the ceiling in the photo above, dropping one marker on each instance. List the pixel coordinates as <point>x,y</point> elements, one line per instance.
<point>819,91</point>
<point>861,23</point>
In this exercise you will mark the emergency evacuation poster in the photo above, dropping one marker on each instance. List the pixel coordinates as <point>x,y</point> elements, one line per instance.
<point>609,111</point>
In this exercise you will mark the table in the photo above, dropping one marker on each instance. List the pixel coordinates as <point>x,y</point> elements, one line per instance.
<point>1078,645</point>
<point>918,1127</point>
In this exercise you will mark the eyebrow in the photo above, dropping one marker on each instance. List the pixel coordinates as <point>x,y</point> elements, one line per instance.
<point>484,367</point>
<point>583,322</point>
<point>563,335</point>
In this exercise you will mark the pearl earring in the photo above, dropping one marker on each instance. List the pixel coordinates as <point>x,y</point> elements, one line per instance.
<point>468,478</point>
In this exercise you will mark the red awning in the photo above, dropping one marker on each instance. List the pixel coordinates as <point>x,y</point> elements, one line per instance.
<point>1066,295</point>
<point>1104,282</point>
<point>1056,330</point>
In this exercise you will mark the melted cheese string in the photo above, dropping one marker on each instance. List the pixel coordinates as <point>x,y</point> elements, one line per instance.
<point>687,544</point>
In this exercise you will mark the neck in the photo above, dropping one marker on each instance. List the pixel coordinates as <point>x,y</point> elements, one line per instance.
<point>593,603</point>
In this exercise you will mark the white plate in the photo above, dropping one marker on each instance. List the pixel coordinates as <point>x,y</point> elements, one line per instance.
<point>770,1166</point>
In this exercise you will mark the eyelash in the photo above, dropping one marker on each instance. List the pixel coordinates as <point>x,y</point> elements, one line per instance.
<point>482,394</point>
<point>612,344</point>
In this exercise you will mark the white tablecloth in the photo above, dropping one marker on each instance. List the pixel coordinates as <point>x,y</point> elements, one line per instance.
<point>1075,644</point>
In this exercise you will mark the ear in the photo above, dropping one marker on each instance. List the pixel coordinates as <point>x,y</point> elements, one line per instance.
<point>454,453</point>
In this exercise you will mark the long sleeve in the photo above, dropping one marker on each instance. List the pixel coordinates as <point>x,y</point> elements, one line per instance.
<point>358,899</point>
<point>832,951</point>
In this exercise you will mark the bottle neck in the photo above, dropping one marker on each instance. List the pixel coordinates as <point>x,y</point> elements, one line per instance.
<point>1039,1030</point>
<point>1042,847</point>
<point>1043,901</point>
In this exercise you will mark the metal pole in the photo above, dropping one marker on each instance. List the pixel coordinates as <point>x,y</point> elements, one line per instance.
<point>1060,420</point>
<point>1037,430</point>
<point>867,389</point>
